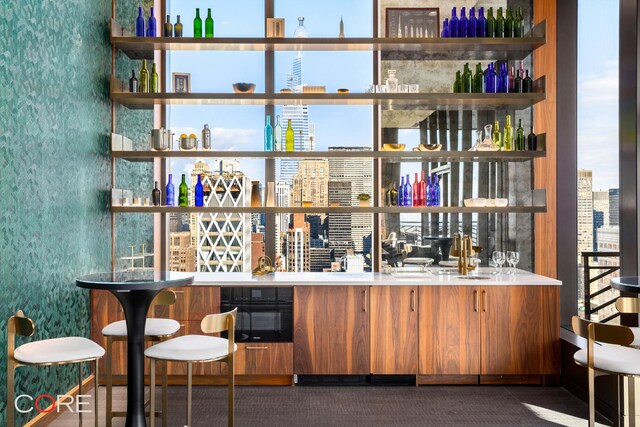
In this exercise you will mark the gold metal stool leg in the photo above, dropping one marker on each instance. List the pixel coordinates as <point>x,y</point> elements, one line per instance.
<point>152,393</point>
<point>231,390</point>
<point>109,381</point>
<point>165,394</point>
<point>80,389</point>
<point>189,391</point>
<point>11,378</point>
<point>96,399</point>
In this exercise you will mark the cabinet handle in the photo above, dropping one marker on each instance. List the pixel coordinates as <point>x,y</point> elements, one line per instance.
<point>256,348</point>
<point>178,292</point>
<point>475,301</point>
<point>484,301</point>
<point>364,301</point>
<point>413,300</point>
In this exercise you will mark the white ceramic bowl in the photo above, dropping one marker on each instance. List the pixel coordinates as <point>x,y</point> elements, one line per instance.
<point>475,203</point>
<point>502,202</point>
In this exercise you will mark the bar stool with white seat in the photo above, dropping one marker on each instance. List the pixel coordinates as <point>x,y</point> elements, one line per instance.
<point>199,349</point>
<point>55,351</point>
<point>607,353</point>
<point>155,330</point>
<point>630,305</point>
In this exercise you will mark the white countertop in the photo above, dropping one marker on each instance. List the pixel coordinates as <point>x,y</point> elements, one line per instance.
<point>374,279</point>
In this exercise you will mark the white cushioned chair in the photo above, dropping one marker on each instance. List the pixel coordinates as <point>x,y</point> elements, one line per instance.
<point>198,349</point>
<point>55,351</point>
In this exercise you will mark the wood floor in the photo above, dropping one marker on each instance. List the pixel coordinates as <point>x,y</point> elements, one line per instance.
<point>368,406</point>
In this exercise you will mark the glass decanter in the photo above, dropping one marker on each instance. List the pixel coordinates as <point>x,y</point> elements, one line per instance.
<point>478,143</point>
<point>301,31</point>
<point>392,82</point>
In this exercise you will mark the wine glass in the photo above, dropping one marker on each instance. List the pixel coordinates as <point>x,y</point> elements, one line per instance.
<point>498,259</point>
<point>513,258</point>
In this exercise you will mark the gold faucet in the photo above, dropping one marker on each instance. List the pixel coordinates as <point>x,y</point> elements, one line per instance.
<point>464,250</point>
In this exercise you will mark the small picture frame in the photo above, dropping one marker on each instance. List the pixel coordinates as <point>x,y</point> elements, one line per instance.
<point>275,28</point>
<point>181,82</point>
<point>407,22</point>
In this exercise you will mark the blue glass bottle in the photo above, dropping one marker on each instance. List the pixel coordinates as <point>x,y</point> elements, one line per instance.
<point>472,25</point>
<point>151,28</point>
<point>503,79</point>
<point>268,135</point>
<point>170,193</point>
<point>199,192</point>
<point>463,23</point>
<point>140,24</point>
<point>481,26</point>
<point>401,192</point>
<point>408,199</point>
<point>453,24</point>
<point>435,196</point>
<point>427,194</point>
<point>445,28</point>
<point>490,80</point>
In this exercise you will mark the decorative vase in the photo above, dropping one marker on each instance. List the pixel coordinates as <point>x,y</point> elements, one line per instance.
<point>256,197</point>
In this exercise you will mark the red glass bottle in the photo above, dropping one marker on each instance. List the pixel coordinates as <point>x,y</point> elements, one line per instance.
<point>423,191</point>
<point>416,192</point>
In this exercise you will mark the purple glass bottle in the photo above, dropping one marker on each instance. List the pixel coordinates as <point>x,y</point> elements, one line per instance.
<point>503,79</point>
<point>427,194</point>
<point>490,83</point>
<point>401,192</point>
<point>408,200</point>
<point>170,192</point>
<point>445,28</point>
<point>472,25</point>
<point>453,24</point>
<point>481,26</point>
<point>140,24</point>
<point>151,28</point>
<point>463,23</point>
<point>435,199</point>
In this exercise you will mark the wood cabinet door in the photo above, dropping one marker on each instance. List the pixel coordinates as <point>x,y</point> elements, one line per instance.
<point>331,330</point>
<point>263,359</point>
<point>192,304</point>
<point>394,330</point>
<point>512,330</point>
<point>449,330</point>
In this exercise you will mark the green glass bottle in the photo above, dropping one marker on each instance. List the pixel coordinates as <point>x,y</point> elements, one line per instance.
<point>496,136</point>
<point>183,195</point>
<point>467,79</point>
<point>144,78</point>
<point>507,139</point>
<point>491,23</point>
<point>508,24</point>
<point>478,79</point>
<point>457,85</point>
<point>499,32</point>
<point>520,139</point>
<point>197,24</point>
<point>208,25</point>
<point>518,24</point>
<point>290,138</point>
<point>153,88</point>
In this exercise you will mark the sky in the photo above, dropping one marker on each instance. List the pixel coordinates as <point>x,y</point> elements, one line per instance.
<point>598,33</point>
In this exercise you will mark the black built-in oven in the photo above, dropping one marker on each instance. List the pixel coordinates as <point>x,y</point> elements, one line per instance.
<point>264,314</point>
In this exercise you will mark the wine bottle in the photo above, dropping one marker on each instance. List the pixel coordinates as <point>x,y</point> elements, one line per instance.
<point>277,135</point>
<point>199,192</point>
<point>507,139</point>
<point>503,79</point>
<point>197,24</point>
<point>140,32</point>
<point>445,29</point>
<point>499,24</point>
<point>408,199</point>
<point>467,79</point>
<point>144,78</point>
<point>435,200</point>
<point>497,136</point>
<point>208,25</point>
<point>394,195</point>
<point>481,26</point>
<point>156,195</point>
<point>168,28</point>
<point>423,190</point>
<point>527,83</point>
<point>401,192</point>
<point>416,191</point>
<point>387,196</point>
<point>457,85</point>
<point>532,141</point>
<point>478,79</point>
<point>268,135</point>
<point>427,192</point>
<point>520,144</point>
<point>183,192</point>
<point>153,88</point>
<point>290,138</point>
<point>472,24</point>
<point>453,24</point>
<point>463,23</point>
<point>177,29</point>
<point>512,87</point>
<point>508,24</point>
<point>133,82</point>
<point>170,193</point>
<point>492,79</point>
<point>517,83</point>
<point>151,28</point>
<point>518,24</point>
<point>491,23</point>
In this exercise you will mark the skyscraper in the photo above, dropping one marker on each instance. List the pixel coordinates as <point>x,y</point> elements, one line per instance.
<point>298,245</point>
<point>585,212</point>
<point>310,183</point>
<point>601,204</point>
<point>614,207</point>
<point>283,199</point>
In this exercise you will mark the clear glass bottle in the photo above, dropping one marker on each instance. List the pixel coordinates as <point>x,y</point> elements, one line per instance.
<point>268,135</point>
<point>170,193</point>
<point>208,25</point>
<point>183,192</point>
<point>401,192</point>
<point>206,138</point>
<point>290,138</point>
<point>140,24</point>
<point>177,29</point>
<point>153,85</point>
<point>520,140</point>
<point>507,139</point>
<point>156,195</point>
<point>197,25</point>
<point>301,31</point>
<point>144,78</point>
<point>133,82</point>
<point>487,142</point>
<point>497,135</point>
<point>152,27</point>
<point>277,135</point>
<point>392,82</point>
<point>199,192</point>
